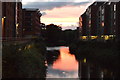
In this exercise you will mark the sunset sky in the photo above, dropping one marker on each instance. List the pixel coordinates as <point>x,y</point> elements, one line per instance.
<point>60,12</point>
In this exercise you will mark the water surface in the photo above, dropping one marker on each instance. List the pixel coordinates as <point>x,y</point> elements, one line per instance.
<point>66,66</point>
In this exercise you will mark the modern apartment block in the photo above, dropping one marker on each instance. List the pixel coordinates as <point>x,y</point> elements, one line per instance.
<point>31,22</point>
<point>107,21</point>
<point>100,21</point>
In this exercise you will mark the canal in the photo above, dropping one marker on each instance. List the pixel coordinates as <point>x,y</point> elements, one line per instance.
<point>30,61</point>
<point>62,64</point>
<point>65,66</point>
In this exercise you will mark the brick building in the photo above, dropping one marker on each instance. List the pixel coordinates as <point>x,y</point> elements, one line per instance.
<point>0,20</point>
<point>94,17</point>
<point>19,32</point>
<point>8,20</point>
<point>101,21</point>
<point>107,20</point>
<point>11,20</point>
<point>90,20</point>
<point>31,22</point>
<point>118,21</point>
<point>84,29</point>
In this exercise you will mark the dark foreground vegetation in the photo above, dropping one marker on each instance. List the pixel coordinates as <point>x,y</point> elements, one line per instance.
<point>104,54</point>
<point>24,60</point>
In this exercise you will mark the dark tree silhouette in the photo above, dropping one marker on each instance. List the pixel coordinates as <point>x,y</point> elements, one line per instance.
<point>53,33</point>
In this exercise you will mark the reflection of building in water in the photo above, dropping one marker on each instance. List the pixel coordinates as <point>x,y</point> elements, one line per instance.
<point>90,71</point>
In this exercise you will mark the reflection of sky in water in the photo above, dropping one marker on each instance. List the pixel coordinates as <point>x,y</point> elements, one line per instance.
<point>65,66</point>
<point>56,73</point>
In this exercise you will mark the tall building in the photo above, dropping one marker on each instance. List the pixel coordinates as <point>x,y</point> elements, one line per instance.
<point>19,32</point>
<point>118,21</point>
<point>84,27</point>
<point>94,17</point>
<point>101,21</point>
<point>8,20</point>
<point>0,20</point>
<point>31,22</point>
<point>107,20</point>
<point>90,20</point>
<point>11,20</point>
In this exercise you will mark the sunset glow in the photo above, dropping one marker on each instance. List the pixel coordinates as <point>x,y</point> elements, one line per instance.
<point>65,16</point>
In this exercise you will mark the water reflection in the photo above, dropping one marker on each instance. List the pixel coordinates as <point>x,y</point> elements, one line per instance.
<point>88,70</point>
<point>52,56</point>
<point>65,66</point>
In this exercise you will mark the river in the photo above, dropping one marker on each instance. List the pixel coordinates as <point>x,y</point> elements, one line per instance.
<point>65,66</point>
<point>62,64</point>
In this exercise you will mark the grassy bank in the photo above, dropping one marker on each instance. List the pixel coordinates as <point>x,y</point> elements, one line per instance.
<point>24,60</point>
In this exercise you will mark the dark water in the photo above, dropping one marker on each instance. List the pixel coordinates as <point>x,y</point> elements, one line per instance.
<point>62,64</point>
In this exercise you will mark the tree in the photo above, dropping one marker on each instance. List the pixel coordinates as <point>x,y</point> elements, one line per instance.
<point>53,33</point>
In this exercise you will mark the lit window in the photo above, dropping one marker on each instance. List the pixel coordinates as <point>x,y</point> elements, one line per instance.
<point>102,36</point>
<point>114,23</point>
<point>94,37</point>
<point>102,18</point>
<point>85,60</point>
<point>17,26</point>
<point>114,15</point>
<point>84,37</point>
<point>106,37</point>
<point>103,24</point>
<point>89,21</point>
<point>111,36</point>
<point>109,3</point>
<point>102,11</point>
<point>114,7</point>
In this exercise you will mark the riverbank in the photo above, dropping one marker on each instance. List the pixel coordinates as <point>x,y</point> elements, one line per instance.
<point>25,60</point>
<point>104,54</point>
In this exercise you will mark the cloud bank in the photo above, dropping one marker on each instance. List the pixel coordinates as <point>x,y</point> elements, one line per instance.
<point>51,5</point>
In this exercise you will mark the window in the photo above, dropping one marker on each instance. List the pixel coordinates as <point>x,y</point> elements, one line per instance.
<point>102,24</point>
<point>90,22</point>
<point>114,7</point>
<point>109,3</point>
<point>114,15</point>
<point>102,11</point>
<point>102,18</point>
<point>114,23</point>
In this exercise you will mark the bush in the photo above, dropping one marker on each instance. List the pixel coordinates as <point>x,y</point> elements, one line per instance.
<point>23,61</point>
